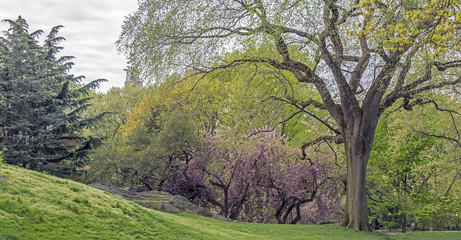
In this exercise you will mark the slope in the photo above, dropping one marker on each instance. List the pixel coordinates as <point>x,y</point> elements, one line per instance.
<point>34,205</point>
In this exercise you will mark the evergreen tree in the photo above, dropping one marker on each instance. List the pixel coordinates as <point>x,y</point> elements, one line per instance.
<point>40,102</point>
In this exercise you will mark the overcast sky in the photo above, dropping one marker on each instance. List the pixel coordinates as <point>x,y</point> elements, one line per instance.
<point>91,28</point>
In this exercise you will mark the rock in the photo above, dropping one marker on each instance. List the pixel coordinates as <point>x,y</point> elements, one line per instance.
<point>161,201</point>
<point>5,179</point>
<point>159,206</point>
<point>184,205</point>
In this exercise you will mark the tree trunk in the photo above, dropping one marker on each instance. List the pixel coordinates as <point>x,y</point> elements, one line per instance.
<point>415,225</point>
<point>374,224</point>
<point>403,222</point>
<point>225,209</point>
<point>298,213</point>
<point>357,143</point>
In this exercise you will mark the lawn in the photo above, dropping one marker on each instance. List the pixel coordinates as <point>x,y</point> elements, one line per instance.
<point>445,235</point>
<point>39,206</point>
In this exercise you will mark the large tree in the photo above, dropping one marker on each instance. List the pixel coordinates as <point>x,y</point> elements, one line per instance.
<point>360,55</point>
<point>40,102</point>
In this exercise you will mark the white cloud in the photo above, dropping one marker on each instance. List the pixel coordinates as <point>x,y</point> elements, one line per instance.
<point>91,29</point>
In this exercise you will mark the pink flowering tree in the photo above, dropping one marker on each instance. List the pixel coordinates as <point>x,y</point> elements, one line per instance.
<point>259,178</point>
<point>228,178</point>
<point>295,181</point>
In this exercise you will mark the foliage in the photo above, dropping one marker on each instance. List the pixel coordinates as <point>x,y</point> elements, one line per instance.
<point>115,105</point>
<point>241,97</point>
<point>414,167</point>
<point>151,133</point>
<point>255,98</point>
<point>204,104</point>
<point>41,102</point>
<point>361,57</point>
<point>259,178</point>
<point>39,206</point>
<point>428,24</point>
<point>201,105</point>
<point>162,147</point>
<point>147,157</point>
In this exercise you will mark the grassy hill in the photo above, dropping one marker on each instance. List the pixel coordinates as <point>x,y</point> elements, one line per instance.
<point>38,206</point>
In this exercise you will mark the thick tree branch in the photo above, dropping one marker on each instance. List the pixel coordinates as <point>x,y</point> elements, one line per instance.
<point>348,100</point>
<point>330,18</point>
<point>444,66</point>
<point>432,87</point>
<point>412,89</point>
<point>374,94</point>
<point>361,66</point>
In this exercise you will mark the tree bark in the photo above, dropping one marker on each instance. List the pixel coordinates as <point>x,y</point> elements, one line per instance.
<point>298,213</point>
<point>415,225</point>
<point>403,222</point>
<point>358,140</point>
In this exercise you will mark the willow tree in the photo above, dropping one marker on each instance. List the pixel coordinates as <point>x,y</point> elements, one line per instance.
<point>360,56</point>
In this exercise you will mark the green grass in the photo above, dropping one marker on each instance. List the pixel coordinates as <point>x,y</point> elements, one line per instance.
<point>39,206</point>
<point>448,235</point>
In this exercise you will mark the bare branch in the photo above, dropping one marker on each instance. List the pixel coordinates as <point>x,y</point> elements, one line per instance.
<point>337,139</point>
<point>303,109</point>
<point>433,86</point>
<point>439,136</point>
<point>452,182</point>
<point>404,72</point>
<point>444,66</point>
<point>304,104</point>
<point>350,58</point>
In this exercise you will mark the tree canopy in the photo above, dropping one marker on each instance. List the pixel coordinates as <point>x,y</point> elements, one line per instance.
<point>360,56</point>
<point>414,167</point>
<point>41,102</point>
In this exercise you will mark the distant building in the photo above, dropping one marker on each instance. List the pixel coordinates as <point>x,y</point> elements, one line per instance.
<point>131,79</point>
